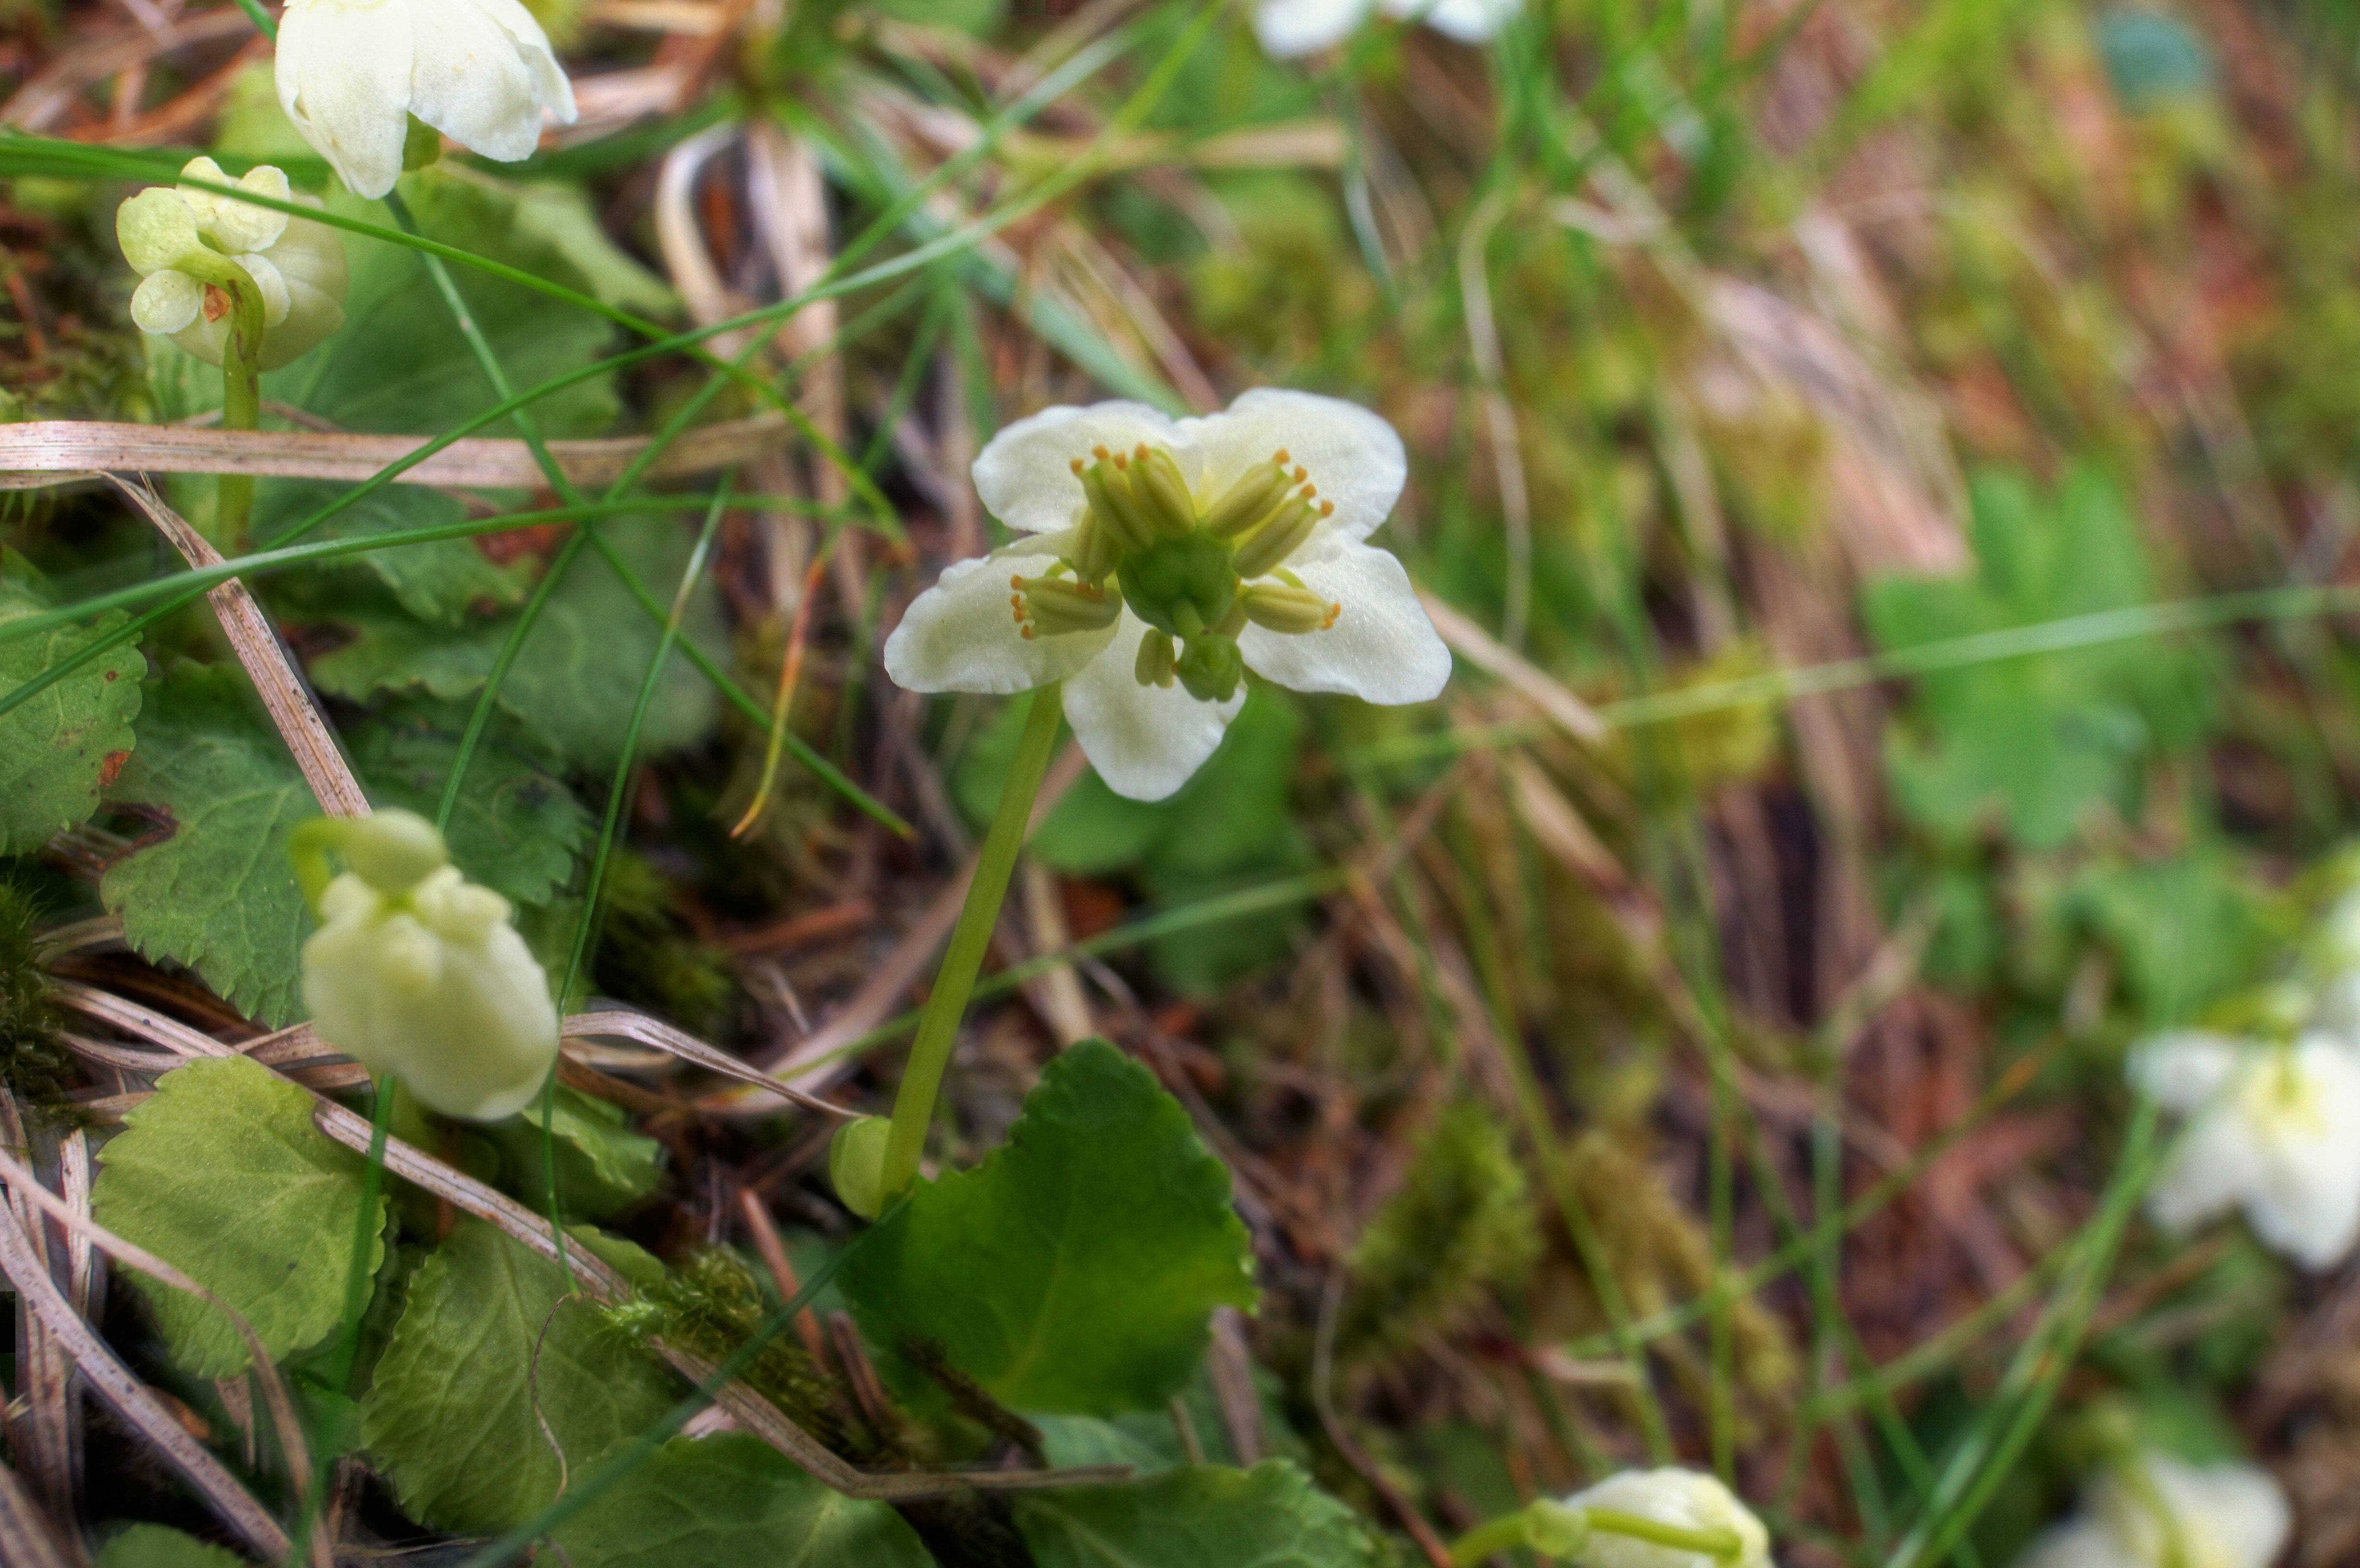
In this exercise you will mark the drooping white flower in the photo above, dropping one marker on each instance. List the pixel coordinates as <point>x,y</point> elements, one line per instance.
<point>1685,1500</point>
<point>350,72</point>
<point>171,236</point>
<point>1162,559</point>
<point>1291,28</point>
<point>2277,1133</point>
<point>2156,1511</point>
<point>415,972</point>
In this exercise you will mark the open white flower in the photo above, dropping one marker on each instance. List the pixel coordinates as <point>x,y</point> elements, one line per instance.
<point>350,72</point>
<point>178,239</point>
<point>416,973</point>
<point>2277,1133</point>
<point>1685,1500</point>
<point>1163,558</point>
<point>1291,28</point>
<point>2162,1512</point>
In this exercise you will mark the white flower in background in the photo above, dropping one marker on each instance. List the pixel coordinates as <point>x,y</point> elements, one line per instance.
<point>170,236</point>
<point>415,972</point>
<point>2162,1512</point>
<point>2276,1132</point>
<point>350,75</point>
<point>1684,1500</point>
<point>1292,27</point>
<point>1162,559</point>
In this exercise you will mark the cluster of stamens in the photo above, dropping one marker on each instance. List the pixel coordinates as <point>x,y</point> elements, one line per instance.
<point>1142,542</point>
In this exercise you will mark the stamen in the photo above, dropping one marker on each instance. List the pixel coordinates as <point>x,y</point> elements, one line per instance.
<point>1249,501</point>
<point>1111,503</point>
<point>1162,492</point>
<point>1279,537</point>
<point>1293,612</point>
<point>1281,457</point>
<point>1057,606</point>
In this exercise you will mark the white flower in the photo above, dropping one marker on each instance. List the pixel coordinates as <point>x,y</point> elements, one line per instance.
<point>2276,1132</point>
<point>1683,1498</point>
<point>2161,1512</point>
<point>416,973</point>
<point>351,74</point>
<point>174,237</point>
<point>1292,27</point>
<point>1162,559</point>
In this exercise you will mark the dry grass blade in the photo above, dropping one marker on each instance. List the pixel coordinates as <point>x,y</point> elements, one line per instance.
<point>27,1538</point>
<point>618,1023</point>
<point>1487,653</point>
<point>50,452</point>
<point>258,649</point>
<point>114,1383</point>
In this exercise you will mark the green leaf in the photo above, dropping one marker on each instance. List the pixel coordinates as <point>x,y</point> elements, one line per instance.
<point>1269,1517</point>
<point>155,1546</point>
<point>603,1167</point>
<point>733,1499</point>
<point>215,891</point>
<point>56,750</point>
<point>2187,929</point>
<point>578,676</point>
<point>1075,1269</point>
<point>450,1414</point>
<point>436,580</point>
<point>222,1175</point>
<point>2035,742</point>
<point>516,828</point>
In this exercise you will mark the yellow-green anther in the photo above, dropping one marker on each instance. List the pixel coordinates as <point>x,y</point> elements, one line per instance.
<point>1234,622</point>
<point>1294,611</point>
<point>1155,661</point>
<point>1097,479</point>
<point>1281,536</point>
<point>1096,552</point>
<point>1250,500</point>
<point>1051,606</point>
<point>1121,505</point>
<point>1162,491</point>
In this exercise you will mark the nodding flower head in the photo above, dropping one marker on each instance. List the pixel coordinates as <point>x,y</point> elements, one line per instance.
<point>190,245</point>
<point>2151,1510</point>
<point>1163,558</point>
<point>1682,1500</point>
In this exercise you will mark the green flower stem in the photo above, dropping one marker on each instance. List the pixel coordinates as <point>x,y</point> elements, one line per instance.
<point>241,382</point>
<point>930,1053</point>
<point>1724,1544</point>
<point>1488,1540</point>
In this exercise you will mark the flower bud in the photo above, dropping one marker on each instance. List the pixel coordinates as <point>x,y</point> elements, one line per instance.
<point>1210,668</point>
<point>295,267</point>
<point>856,1164</point>
<point>232,224</point>
<point>156,229</point>
<point>393,850</point>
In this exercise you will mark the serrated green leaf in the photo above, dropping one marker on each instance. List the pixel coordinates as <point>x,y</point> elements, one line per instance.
<point>440,581</point>
<point>1076,1268</point>
<point>733,1499</point>
<point>578,676</point>
<point>603,1167</point>
<point>56,749</point>
<point>516,827</point>
<point>2035,742</point>
<point>156,1546</point>
<point>450,1413</point>
<point>222,1175</point>
<point>1269,1517</point>
<point>216,892</point>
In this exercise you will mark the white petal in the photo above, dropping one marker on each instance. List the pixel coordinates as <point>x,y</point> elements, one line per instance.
<point>549,78</point>
<point>344,78</point>
<point>2183,1068</point>
<point>155,228</point>
<point>2218,1164</point>
<point>1025,476</point>
<point>167,302</point>
<point>2079,1543</point>
<point>272,287</point>
<point>467,81</point>
<point>1146,741</point>
<point>1687,1499</point>
<point>2306,1202</point>
<point>1291,28</point>
<point>1354,457</point>
<point>1383,648</point>
<point>2226,1516</point>
<point>961,635</point>
<point>1469,21</point>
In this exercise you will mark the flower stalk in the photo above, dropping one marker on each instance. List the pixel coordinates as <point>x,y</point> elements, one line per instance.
<point>930,1053</point>
<point>1554,1529</point>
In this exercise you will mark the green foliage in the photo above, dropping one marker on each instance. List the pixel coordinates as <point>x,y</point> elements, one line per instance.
<point>57,749</point>
<point>603,1167</point>
<point>215,892</point>
<point>577,678</point>
<point>222,1175</point>
<point>1077,1268</point>
<point>1459,1226</point>
<point>449,1415</point>
<point>2035,742</point>
<point>733,1499</point>
<point>156,1546</point>
<point>440,582</point>
<point>515,828</point>
<point>1269,1517</point>
<point>2187,929</point>
<point>1229,826</point>
<point>32,1063</point>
